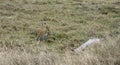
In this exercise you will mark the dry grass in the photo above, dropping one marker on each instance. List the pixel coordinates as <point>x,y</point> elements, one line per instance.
<point>105,53</point>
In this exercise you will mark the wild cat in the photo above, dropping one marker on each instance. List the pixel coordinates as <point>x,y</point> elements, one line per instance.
<point>42,32</point>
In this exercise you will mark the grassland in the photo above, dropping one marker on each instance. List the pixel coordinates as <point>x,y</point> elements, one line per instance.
<point>71,22</point>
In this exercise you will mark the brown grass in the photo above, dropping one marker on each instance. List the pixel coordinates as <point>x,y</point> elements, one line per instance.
<point>104,53</point>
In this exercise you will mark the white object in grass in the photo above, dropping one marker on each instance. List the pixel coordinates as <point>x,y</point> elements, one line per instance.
<point>86,44</point>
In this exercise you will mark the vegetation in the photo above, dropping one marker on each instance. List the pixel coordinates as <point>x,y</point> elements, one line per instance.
<point>71,23</point>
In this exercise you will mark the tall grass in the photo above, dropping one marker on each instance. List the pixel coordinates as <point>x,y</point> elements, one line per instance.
<point>104,53</point>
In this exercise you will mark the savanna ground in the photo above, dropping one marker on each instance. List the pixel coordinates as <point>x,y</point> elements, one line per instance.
<point>71,23</point>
